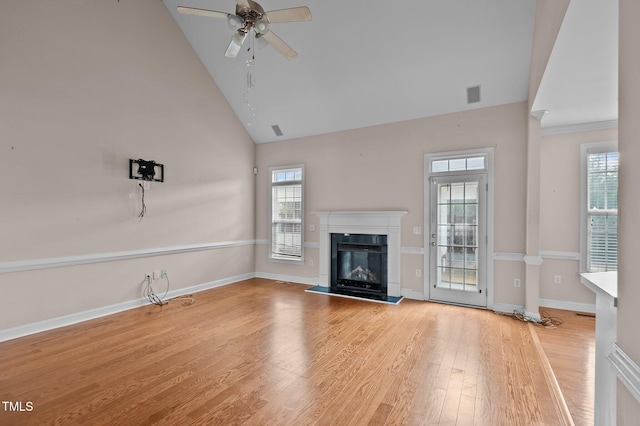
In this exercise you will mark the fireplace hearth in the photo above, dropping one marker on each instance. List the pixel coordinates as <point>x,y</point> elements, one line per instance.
<point>359,265</point>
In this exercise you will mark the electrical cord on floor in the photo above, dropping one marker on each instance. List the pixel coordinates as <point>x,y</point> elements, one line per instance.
<point>546,320</point>
<point>152,297</point>
<point>188,299</point>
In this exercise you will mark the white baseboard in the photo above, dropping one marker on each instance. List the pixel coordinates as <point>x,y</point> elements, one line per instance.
<point>506,308</point>
<point>65,320</point>
<point>287,278</point>
<point>568,306</point>
<point>532,316</point>
<point>411,294</point>
<point>546,303</point>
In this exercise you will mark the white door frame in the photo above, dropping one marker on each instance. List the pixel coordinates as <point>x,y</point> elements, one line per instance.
<point>428,159</point>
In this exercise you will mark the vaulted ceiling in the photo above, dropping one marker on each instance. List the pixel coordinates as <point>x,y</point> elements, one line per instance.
<point>364,63</point>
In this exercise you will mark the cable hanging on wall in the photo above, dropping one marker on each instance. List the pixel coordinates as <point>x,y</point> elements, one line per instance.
<point>143,209</point>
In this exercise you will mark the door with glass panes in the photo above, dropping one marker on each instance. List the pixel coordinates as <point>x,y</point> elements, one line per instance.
<point>458,239</point>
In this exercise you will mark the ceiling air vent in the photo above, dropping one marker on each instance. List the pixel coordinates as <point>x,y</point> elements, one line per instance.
<point>473,94</point>
<point>276,130</point>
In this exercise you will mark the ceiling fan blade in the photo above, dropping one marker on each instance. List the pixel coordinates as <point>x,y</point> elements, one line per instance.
<point>280,45</point>
<point>202,12</point>
<point>236,44</point>
<point>293,14</point>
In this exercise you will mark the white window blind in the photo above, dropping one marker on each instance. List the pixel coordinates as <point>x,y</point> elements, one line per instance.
<point>602,211</point>
<point>286,213</point>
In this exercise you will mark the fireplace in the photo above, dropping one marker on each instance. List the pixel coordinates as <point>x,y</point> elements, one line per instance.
<point>359,265</point>
<point>381,223</point>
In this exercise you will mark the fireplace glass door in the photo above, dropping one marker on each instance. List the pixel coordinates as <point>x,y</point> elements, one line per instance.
<point>359,264</point>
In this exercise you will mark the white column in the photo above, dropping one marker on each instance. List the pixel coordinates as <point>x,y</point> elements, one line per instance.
<point>532,257</point>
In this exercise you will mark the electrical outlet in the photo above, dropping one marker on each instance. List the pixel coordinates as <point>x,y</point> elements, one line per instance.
<point>156,275</point>
<point>418,273</point>
<point>516,282</point>
<point>417,230</point>
<point>557,279</point>
<point>148,276</point>
<point>310,262</point>
<point>163,273</point>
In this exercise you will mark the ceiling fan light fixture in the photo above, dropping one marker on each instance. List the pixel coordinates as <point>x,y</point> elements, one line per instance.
<point>261,26</point>
<point>236,44</point>
<point>261,42</point>
<point>234,21</point>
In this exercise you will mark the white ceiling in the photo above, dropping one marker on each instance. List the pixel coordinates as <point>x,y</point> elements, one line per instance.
<point>369,62</point>
<point>580,85</point>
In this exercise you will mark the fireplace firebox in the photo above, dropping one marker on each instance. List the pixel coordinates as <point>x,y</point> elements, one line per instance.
<point>359,265</point>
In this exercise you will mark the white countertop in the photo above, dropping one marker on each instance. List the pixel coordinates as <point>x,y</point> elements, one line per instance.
<point>602,282</point>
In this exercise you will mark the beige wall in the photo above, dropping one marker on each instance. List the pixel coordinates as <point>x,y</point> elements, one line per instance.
<point>560,213</point>
<point>84,86</point>
<point>382,168</point>
<point>629,202</point>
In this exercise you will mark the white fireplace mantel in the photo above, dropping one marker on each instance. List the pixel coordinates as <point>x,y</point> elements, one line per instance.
<point>362,222</point>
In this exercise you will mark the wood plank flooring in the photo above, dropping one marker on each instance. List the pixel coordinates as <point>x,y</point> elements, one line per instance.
<point>570,349</point>
<point>261,352</point>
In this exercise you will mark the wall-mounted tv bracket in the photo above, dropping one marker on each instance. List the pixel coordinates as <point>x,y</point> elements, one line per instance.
<point>146,170</point>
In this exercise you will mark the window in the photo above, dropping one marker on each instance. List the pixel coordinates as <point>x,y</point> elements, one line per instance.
<point>459,164</point>
<point>287,213</point>
<point>600,207</point>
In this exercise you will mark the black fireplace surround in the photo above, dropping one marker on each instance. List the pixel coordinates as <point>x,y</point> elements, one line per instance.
<point>359,265</point>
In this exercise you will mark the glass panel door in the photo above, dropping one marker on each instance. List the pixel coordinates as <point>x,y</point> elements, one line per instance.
<point>458,239</point>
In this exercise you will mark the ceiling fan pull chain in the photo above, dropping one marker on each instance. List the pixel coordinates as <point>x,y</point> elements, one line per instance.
<point>248,94</point>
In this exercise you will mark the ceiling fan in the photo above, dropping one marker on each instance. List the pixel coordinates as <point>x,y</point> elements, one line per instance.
<point>251,16</point>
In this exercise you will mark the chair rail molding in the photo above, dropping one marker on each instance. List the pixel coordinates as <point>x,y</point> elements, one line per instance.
<point>627,370</point>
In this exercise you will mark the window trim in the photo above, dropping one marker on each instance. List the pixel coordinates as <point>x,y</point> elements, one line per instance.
<point>271,255</point>
<point>585,150</point>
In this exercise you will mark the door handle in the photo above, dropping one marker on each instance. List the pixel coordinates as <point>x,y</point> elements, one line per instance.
<point>433,244</point>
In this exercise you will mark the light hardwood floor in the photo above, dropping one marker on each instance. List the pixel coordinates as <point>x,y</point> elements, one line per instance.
<point>570,349</point>
<point>261,352</point>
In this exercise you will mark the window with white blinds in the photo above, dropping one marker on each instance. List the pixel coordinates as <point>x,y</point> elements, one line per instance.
<point>287,213</point>
<point>601,164</point>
